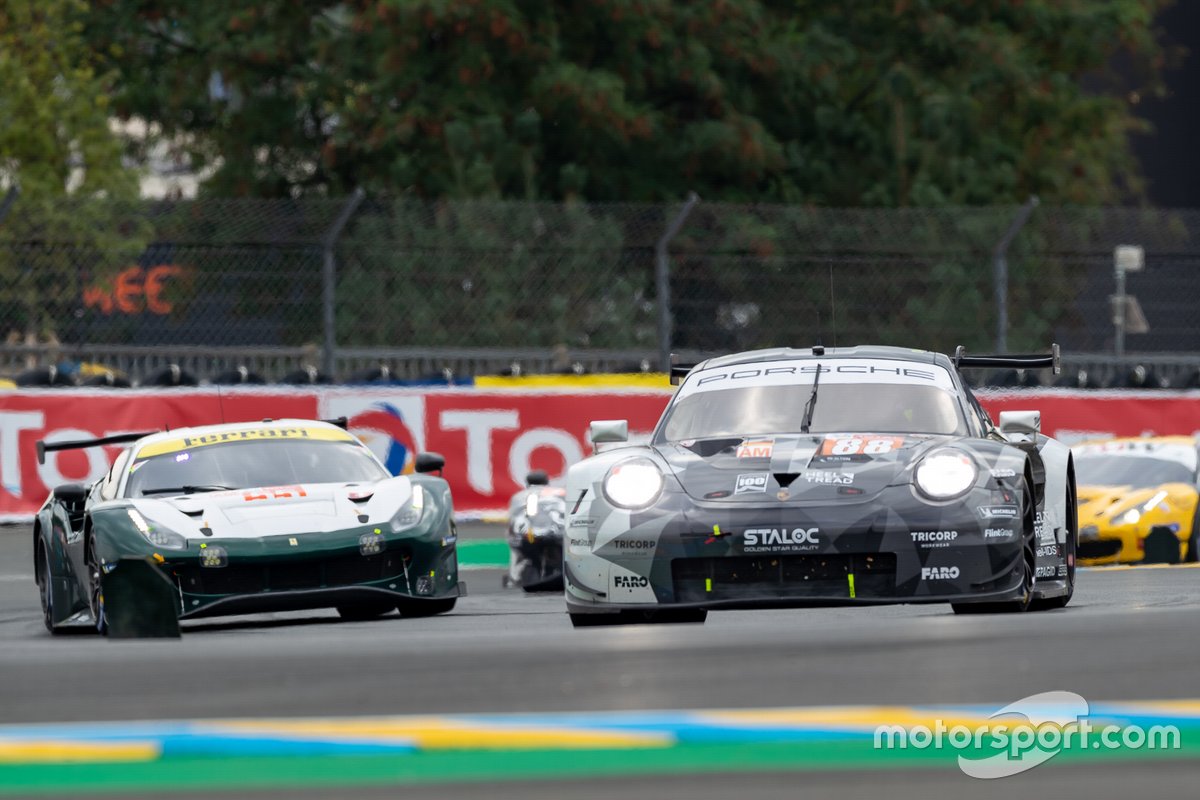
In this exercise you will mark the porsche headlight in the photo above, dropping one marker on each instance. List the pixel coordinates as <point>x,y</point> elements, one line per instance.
<point>635,483</point>
<point>944,474</point>
<point>411,512</point>
<point>157,535</point>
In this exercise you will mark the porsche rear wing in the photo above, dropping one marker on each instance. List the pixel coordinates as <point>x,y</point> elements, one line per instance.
<point>1051,360</point>
<point>44,447</point>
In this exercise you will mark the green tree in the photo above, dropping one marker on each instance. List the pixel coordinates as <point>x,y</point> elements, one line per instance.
<point>57,149</point>
<point>880,102</point>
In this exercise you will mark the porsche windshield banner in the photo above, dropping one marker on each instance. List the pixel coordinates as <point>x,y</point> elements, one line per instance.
<point>833,370</point>
<point>490,438</point>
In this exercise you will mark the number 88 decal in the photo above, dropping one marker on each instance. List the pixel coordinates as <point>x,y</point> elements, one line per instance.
<point>860,445</point>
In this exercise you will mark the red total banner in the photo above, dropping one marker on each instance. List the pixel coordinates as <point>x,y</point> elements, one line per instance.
<point>491,439</point>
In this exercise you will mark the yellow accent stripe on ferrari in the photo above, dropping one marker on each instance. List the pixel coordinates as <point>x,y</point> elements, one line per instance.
<point>433,733</point>
<point>61,752</point>
<point>246,434</point>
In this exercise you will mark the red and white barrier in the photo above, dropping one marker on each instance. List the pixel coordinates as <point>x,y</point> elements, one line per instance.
<point>490,438</point>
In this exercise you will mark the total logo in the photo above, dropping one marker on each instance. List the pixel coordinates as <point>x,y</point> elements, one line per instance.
<point>939,573</point>
<point>630,581</point>
<point>796,538</point>
<point>382,428</point>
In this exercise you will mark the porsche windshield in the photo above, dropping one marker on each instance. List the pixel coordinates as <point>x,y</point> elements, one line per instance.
<point>867,395</point>
<point>245,464</point>
<point>1139,472</point>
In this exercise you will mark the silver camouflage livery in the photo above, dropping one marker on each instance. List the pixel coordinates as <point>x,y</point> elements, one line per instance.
<point>791,477</point>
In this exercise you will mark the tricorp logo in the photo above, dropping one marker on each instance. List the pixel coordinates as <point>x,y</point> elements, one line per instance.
<point>382,428</point>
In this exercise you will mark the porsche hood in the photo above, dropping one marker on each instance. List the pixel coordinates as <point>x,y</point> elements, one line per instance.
<point>278,510</point>
<point>802,468</point>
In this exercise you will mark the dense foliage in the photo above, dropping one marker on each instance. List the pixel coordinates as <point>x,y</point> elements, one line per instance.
<point>881,102</point>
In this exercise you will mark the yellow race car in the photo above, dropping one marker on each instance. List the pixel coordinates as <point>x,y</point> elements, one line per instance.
<point>1137,500</point>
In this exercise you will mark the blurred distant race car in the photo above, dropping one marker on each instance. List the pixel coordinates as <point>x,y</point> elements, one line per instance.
<point>819,476</point>
<point>1137,500</point>
<point>536,519</point>
<point>243,518</point>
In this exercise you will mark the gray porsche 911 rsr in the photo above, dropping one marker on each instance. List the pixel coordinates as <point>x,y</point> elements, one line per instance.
<point>790,477</point>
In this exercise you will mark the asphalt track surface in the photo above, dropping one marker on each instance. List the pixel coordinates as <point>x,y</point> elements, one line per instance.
<point>1130,634</point>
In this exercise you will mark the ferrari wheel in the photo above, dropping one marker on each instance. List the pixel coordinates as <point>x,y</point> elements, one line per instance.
<point>96,594</point>
<point>359,612</point>
<point>426,608</point>
<point>45,587</point>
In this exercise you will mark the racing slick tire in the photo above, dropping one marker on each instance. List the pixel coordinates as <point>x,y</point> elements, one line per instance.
<point>95,588</point>
<point>426,608</point>
<point>1051,603</point>
<point>360,612</point>
<point>45,587</point>
<point>1193,548</point>
<point>667,617</point>
<point>1028,567</point>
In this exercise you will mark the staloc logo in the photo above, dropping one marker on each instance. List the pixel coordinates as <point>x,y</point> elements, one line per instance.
<point>754,482</point>
<point>939,573</point>
<point>631,581</point>
<point>755,537</point>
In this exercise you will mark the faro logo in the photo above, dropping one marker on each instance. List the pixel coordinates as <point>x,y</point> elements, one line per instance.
<point>939,573</point>
<point>631,581</point>
<point>761,536</point>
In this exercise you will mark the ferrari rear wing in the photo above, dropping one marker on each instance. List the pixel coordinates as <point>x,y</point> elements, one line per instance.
<point>1049,360</point>
<point>44,447</point>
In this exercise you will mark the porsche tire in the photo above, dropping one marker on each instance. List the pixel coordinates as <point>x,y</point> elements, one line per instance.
<point>666,617</point>
<point>1027,564</point>
<point>1072,537</point>
<point>1193,548</point>
<point>360,612</point>
<point>426,608</point>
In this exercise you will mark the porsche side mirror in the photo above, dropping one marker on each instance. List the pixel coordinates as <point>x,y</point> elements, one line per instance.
<point>70,494</point>
<point>537,477</point>
<point>430,462</point>
<point>1020,423</point>
<point>603,431</point>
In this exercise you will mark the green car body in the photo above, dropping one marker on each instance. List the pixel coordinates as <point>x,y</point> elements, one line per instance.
<point>366,545</point>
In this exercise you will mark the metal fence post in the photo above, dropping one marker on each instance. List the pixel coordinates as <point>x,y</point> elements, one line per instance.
<point>662,280</point>
<point>7,203</point>
<point>1000,271</point>
<point>329,281</point>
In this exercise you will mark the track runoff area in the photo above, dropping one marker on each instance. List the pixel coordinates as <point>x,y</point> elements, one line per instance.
<point>502,698</point>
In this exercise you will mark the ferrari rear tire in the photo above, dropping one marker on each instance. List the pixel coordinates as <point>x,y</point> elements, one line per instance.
<point>45,587</point>
<point>426,608</point>
<point>359,612</point>
<point>96,589</point>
